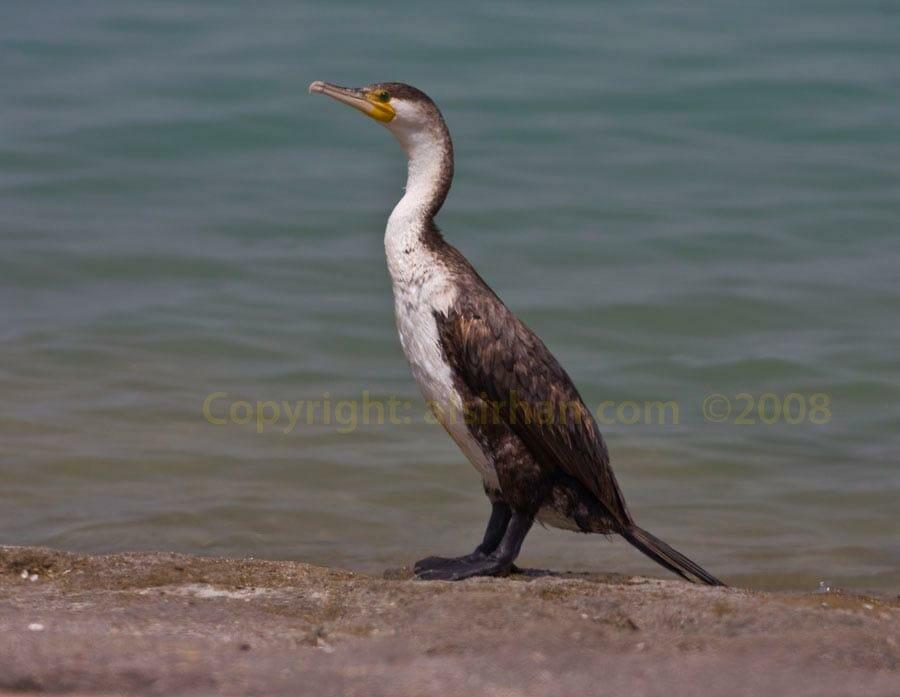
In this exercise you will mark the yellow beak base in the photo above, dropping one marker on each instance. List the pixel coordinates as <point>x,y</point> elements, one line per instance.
<point>362,101</point>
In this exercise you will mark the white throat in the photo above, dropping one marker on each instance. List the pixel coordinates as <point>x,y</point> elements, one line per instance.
<point>429,156</point>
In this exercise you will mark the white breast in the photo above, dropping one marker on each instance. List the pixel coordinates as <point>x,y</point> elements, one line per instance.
<point>422,287</point>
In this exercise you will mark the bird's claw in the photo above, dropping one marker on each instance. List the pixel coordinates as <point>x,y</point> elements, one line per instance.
<point>442,569</point>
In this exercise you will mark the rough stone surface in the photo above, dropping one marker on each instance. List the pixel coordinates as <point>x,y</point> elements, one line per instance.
<point>163,624</point>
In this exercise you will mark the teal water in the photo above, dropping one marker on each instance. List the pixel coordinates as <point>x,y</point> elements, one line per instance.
<point>682,202</point>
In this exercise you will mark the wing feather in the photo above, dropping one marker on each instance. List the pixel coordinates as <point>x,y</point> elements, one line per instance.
<point>500,358</point>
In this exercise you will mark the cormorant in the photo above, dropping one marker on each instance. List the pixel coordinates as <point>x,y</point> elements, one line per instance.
<point>495,387</point>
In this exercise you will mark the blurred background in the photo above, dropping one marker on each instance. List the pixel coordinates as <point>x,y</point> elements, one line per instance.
<point>680,201</point>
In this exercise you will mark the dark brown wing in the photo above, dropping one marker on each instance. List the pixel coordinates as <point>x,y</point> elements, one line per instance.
<point>497,356</point>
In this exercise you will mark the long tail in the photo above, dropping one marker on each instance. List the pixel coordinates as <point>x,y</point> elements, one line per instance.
<point>670,558</point>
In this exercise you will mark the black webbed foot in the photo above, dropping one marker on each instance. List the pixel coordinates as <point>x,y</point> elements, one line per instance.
<point>493,557</point>
<point>459,569</point>
<point>429,564</point>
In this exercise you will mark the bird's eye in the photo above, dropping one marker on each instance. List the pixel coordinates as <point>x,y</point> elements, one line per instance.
<point>383,96</point>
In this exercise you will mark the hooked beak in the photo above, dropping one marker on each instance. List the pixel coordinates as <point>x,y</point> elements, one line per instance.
<point>358,99</point>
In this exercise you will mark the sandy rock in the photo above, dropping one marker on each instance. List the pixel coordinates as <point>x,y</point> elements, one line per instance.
<point>159,624</point>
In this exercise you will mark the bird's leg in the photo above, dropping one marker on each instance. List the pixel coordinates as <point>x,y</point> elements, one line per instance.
<point>497,563</point>
<point>496,527</point>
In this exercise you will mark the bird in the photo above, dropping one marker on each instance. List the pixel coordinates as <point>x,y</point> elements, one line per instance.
<point>489,380</point>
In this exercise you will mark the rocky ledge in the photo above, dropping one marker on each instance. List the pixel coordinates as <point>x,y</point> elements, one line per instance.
<point>162,624</point>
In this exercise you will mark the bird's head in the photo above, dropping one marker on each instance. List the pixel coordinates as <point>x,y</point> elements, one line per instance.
<point>405,111</point>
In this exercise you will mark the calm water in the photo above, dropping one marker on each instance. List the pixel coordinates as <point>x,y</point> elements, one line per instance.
<point>681,202</point>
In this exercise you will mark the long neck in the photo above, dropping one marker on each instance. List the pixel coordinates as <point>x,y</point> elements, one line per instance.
<point>428,180</point>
